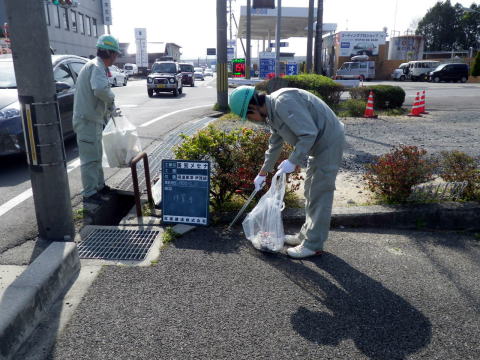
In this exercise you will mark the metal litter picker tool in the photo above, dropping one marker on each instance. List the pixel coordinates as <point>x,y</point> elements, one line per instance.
<point>249,200</point>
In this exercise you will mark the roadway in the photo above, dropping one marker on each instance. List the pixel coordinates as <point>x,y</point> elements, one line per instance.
<point>155,118</point>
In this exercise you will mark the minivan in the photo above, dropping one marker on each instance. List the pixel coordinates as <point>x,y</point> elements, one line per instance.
<point>449,72</point>
<point>363,70</point>
<point>130,69</point>
<point>399,74</point>
<point>418,70</point>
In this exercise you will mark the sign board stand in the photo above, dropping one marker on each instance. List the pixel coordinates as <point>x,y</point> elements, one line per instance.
<point>186,192</point>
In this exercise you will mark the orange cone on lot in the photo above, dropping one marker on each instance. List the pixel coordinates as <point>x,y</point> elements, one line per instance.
<point>369,113</point>
<point>423,104</point>
<point>416,107</point>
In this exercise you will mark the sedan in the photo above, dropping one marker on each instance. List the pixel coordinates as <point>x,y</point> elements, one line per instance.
<point>198,73</point>
<point>117,76</point>
<point>65,71</point>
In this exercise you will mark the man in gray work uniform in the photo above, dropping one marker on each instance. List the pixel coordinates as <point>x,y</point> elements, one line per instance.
<point>304,121</point>
<point>93,104</point>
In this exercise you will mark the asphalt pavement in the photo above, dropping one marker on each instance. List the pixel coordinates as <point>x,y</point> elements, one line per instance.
<point>375,295</point>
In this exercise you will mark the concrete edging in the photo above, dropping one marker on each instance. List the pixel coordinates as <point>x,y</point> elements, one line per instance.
<point>25,301</point>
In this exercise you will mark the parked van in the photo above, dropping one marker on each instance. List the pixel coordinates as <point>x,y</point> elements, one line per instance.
<point>399,74</point>
<point>363,70</point>
<point>130,69</point>
<point>449,72</point>
<point>418,70</point>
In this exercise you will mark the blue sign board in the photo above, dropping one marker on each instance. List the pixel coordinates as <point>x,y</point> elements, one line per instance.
<point>267,66</point>
<point>185,192</point>
<point>291,69</point>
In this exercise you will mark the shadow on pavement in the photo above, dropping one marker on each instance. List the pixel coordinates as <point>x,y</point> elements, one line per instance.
<point>381,324</point>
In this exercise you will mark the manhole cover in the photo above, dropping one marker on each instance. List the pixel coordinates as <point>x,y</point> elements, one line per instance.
<point>117,244</point>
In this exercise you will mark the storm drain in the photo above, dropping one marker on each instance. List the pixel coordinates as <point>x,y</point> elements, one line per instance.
<point>117,244</point>
<point>160,152</point>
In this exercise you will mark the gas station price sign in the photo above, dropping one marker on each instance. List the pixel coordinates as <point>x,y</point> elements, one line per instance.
<point>238,67</point>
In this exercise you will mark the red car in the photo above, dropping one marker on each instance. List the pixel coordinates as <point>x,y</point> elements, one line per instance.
<point>187,74</point>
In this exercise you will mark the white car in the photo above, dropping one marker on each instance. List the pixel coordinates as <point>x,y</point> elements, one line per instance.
<point>118,77</point>
<point>208,72</point>
<point>198,73</point>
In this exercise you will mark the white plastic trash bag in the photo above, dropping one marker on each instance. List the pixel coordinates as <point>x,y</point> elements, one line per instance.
<point>120,143</point>
<point>263,226</point>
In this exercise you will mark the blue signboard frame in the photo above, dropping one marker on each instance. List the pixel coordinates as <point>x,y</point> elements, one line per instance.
<point>267,66</point>
<point>291,69</point>
<point>186,192</point>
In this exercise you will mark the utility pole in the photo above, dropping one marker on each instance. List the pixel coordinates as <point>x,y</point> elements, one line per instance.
<point>318,39</point>
<point>222,71</point>
<point>41,119</point>
<point>249,34</point>
<point>311,5</point>
<point>277,37</point>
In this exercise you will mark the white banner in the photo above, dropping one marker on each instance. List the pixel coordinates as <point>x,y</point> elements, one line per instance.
<point>354,43</point>
<point>107,12</point>
<point>141,43</point>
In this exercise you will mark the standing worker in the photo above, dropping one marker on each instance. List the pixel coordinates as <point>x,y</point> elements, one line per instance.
<point>93,105</point>
<point>304,121</point>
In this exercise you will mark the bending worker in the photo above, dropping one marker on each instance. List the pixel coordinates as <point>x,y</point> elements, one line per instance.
<point>304,121</point>
<point>93,105</point>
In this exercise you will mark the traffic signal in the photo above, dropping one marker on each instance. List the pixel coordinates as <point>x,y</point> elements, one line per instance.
<point>263,4</point>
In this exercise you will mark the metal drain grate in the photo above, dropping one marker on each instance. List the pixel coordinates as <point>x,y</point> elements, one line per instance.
<point>117,244</point>
<point>162,151</point>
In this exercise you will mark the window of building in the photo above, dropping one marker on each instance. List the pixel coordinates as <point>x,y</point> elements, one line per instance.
<point>56,15</point>
<point>47,13</point>
<point>81,24</point>
<point>62,74</point>
<point>66,23</point>
<point>73,20</point>
<point>88,25</point>
<point>94,27</point>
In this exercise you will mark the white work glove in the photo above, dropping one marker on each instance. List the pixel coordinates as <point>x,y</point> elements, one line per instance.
<point>116,112</point>
<point>287,166</point>
<point>259,182</point>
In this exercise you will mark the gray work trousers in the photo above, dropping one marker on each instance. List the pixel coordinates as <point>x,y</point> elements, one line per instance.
<point>322,171</point>
<point>89,140</point>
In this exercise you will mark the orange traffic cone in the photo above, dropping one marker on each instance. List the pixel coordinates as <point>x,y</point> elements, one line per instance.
<point>423,103</point>
<point>369,113</point>
<point>416,107</point>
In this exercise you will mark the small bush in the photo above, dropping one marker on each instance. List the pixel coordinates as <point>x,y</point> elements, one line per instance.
<point>236,158</point>
<point>385,96</point>
<point>322,86</point>
<point>393,174</point>
<point>353,107</point>
<point>456,166</point>
<point>476,65</point>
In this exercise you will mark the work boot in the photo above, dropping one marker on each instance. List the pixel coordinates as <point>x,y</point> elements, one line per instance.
<point>300,252</point>
<point>292,240</point>
<point>105,190</point>
<point>96,198</point>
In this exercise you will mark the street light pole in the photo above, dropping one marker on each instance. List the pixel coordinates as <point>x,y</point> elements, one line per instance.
<point>277,37</point>
<point>249,35</point>
<point>222,71</point>
<point>41,120</point>
<point>318,39</point>
<point>311,5</point>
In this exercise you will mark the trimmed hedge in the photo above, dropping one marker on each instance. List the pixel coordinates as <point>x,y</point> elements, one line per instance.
<point>322,86</point>
<point>385,96</point>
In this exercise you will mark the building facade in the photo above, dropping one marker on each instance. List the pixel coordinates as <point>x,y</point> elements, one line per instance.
<point>71,31</point>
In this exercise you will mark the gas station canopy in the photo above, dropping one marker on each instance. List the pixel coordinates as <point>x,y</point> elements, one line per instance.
<point>294,23</point>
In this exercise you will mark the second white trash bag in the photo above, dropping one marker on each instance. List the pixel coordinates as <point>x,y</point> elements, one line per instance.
<point>263,226</point>
<point>120,143</point>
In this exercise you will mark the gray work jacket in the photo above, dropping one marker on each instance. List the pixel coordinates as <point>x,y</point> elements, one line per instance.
<point>302,120</point>
<point>93,96</point>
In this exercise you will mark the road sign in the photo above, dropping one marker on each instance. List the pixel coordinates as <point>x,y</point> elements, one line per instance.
<point>282,44</point>
<point>291,69</point>
<point>230,53</point>
<point>186,192</point>
<point>267,66</point>
<point>211,51</point>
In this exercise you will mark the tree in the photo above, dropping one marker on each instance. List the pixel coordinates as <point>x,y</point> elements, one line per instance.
<point>446,27</point>
<point>476,65</point>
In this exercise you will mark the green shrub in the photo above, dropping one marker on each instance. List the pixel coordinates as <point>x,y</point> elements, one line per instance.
<point>236,157</point>
<point>385,96</point>
<point>458,167</point>
<point>393,174</point>
<point>476,65</point>
<point>322,86</point>
<point>353,107</point>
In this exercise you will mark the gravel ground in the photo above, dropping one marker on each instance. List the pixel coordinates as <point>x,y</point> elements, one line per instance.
<point>382,295</point>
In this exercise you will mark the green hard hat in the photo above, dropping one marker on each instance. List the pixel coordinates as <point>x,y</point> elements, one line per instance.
<point>108,42</point>
<point>239,100</point>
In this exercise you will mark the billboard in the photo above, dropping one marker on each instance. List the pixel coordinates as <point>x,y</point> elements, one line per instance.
<point>354,43</point>
<point>107,12</point>
<point>238,67</point>
<point>141,44</point>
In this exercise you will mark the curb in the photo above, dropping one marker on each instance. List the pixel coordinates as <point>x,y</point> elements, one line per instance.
<point>25,301</point>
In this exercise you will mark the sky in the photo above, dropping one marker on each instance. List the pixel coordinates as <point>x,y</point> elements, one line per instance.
<point>191,24</point>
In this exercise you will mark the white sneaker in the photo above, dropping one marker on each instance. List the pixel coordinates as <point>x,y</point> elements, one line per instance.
<point>292,240</point>
<point>300,252</point>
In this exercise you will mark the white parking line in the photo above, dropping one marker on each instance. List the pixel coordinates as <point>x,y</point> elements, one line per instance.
<point>72,165</point>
